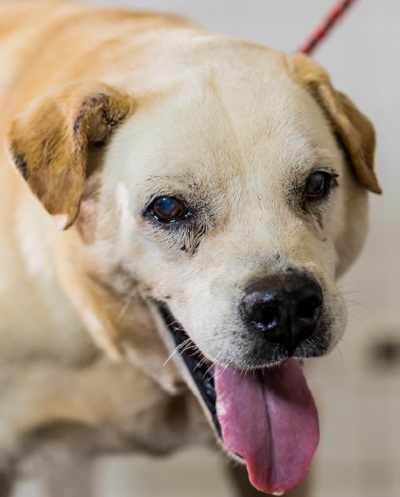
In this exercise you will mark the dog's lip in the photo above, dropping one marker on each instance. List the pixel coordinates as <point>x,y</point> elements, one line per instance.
<point>200,368</point>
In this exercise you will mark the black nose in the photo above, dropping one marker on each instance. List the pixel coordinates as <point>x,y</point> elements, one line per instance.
<point>285,307</point>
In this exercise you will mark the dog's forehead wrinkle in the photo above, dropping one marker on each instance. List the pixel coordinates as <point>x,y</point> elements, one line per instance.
<point>234,126</point>
<point>270,106</point>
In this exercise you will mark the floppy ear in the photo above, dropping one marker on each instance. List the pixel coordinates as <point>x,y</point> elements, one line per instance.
<point>354,129</point>
<point>49,142</point>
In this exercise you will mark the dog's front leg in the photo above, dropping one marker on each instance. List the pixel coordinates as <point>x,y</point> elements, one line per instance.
<point>243,488</point>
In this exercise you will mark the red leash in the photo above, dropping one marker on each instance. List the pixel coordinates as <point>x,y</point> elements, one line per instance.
<point>320,33</point>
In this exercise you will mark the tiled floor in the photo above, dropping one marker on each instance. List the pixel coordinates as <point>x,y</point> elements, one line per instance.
<point>194,473</point>
<point>358,451</point>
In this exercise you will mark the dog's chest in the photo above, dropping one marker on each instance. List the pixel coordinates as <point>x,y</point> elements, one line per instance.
<point>36,318</point>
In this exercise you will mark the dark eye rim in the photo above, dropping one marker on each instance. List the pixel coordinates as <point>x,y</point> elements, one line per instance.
<point>149,210</point>
<point>330,178</point>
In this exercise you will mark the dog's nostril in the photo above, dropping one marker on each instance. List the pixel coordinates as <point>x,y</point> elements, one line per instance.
<point>308,307</point>
<point>265,316</point>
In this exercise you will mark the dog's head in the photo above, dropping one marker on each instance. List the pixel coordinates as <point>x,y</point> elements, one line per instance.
<point>227,204</point>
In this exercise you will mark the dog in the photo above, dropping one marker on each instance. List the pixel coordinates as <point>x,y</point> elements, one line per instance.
<point>178,208</point>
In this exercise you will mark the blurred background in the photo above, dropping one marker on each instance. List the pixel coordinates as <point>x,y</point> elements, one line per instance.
<point>358,386</point>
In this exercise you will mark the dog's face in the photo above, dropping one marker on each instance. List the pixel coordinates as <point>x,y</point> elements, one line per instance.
<point>235,219</point>
<point>229,204</point>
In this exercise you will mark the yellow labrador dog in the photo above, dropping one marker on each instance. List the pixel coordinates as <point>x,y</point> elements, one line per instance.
<point>175,207</point>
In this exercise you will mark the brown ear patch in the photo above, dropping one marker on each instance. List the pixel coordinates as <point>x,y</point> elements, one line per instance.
<point>49,142</point>
<point>354,129</point>
<point>98,116</point>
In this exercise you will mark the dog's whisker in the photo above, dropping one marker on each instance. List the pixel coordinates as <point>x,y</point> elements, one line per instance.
<point>176,350</point>
<point>355,282</point>
<point>189,345</point>
<point>212,365</point>
<point>200,363</point>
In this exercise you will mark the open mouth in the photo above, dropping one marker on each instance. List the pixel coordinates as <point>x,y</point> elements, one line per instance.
<point>266,416</point>
<point>202,371</point>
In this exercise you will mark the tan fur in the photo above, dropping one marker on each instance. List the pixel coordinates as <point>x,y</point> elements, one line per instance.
<point>78,118</point>
<point>100,109</point>
<point>352,126</point>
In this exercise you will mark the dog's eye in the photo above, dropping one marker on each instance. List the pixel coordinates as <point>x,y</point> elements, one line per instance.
<point>318,185</point>
<point>168,210</point>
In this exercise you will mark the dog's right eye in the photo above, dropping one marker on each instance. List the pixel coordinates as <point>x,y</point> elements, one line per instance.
<point>168,210</point>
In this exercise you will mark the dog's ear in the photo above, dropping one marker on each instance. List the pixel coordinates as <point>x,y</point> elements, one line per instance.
<point>353,128</point>
<point>50,140</point>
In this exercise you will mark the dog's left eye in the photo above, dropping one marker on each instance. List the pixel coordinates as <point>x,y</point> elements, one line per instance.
<point>168,210</point>
<point>318,185</point>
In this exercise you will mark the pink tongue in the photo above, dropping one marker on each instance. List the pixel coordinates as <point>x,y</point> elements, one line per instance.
<point>269,418</point>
